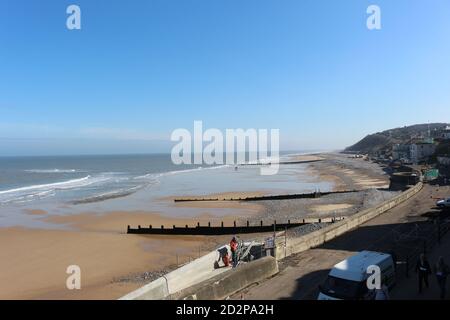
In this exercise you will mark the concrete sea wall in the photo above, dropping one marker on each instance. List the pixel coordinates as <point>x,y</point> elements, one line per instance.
<point>184,277</point>
<point>316,238</point>
<point>224,285</point>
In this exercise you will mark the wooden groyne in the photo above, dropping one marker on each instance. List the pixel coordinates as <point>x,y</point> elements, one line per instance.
<point>209,230</point>
<point>311,195</point>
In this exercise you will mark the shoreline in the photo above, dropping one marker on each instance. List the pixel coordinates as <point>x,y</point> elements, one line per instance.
<point>114,263</point>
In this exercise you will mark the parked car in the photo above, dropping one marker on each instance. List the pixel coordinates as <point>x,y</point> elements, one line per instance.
<point>444,203</point>
<point>347,280</point>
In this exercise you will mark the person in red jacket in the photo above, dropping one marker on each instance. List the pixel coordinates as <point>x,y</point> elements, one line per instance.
<point>234,247</point>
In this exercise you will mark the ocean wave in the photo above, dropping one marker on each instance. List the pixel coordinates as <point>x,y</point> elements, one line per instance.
<point>169,173</point>
<point>28,197</point>
<point>53,171</point>
<point>57,185</point>
<point>42,191</point>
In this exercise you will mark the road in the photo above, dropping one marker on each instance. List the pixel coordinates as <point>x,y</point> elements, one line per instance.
<point>302,273</point>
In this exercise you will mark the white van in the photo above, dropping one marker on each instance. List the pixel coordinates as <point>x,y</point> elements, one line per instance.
<point>347,279</point>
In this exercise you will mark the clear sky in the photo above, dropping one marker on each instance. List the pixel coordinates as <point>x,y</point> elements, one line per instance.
<point>137,70</point>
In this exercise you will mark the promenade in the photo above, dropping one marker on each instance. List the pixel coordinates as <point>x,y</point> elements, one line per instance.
<point>302,273</point>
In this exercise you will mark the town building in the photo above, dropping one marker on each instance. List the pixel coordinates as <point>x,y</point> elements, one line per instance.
<point>421,151</point>
<point>414,152</point>
<point>401,152</point>
<point>445,134</point>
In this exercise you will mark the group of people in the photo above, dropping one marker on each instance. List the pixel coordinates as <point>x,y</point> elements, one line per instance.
<point>224,256</point>
<point>440,270</point>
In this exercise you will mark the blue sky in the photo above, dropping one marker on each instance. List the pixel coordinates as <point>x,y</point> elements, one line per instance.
<point>137,70</point>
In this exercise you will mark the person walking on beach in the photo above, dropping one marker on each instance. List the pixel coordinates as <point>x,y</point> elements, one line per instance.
<point>441,271</point>
<point>234,247</point>
<point>423,269</point>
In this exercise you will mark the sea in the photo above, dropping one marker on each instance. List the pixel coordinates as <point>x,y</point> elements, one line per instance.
<point>103,183</point>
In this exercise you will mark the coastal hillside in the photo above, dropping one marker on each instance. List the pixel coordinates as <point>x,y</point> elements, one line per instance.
<point>382,141</point>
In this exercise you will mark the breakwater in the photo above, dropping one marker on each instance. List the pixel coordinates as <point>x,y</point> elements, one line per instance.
<point>311,195</point>
<point>209,230</point>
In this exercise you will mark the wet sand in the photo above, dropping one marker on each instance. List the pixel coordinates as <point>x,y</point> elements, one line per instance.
<point>348,173</point>
<point>307,157</point>
<point>37,259</point>
<point>36,212</point>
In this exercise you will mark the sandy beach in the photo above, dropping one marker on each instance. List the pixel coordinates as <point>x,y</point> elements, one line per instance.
<point>114,263</point>
<point>99,244</point>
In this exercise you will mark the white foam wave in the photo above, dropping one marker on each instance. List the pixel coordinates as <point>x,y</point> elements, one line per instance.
<point>57,185</point>
<point>53,170</point>
<point>42,191</point>
<point>158,175</point>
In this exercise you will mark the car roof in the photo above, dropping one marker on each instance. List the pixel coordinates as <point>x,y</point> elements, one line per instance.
<point>355,267</point>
